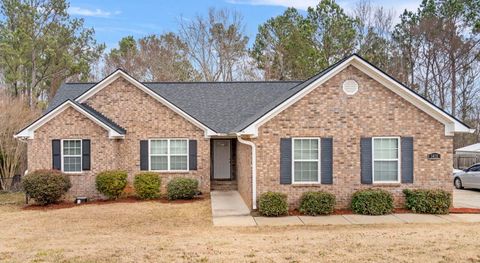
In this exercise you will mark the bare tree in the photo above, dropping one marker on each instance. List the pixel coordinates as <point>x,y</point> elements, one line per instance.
<point>374,29</point>
<point>15,115</point>
<point>216,44</point>
<point>152,58</point>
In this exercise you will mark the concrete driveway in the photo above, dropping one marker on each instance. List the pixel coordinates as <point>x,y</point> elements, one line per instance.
<point>466,198</point>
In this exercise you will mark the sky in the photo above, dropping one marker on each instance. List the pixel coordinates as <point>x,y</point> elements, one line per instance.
<point>114,19</point>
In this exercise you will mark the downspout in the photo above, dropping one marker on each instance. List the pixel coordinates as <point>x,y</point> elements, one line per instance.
<point>254,169</point>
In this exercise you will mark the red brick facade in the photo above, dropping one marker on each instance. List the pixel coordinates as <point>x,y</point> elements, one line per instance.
<point>326,112</point>
<point>141,115</point>
<point>373,111</point>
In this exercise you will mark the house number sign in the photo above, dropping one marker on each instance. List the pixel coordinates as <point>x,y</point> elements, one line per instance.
<point>433,156</point>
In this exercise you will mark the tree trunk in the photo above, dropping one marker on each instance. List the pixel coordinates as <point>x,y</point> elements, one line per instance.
<point>454,82</point>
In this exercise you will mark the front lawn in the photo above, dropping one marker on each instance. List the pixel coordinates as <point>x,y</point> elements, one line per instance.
<point>11,201</point>
<point>182,232</point>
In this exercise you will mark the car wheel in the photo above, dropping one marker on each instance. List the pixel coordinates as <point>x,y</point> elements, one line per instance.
<point>458,183</point>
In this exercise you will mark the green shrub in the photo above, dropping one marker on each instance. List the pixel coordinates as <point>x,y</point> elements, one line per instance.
<point>182,188</point>
<point>147,185</point>
<point>372,202</point>
<point>111,183</point>
<point>317,203</point>
<point>273,204</point>
<point>428,201</point>
<point>46,186</point>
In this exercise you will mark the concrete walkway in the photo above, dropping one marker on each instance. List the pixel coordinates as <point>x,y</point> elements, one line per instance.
<point>229,209</point>
<point>344,220</point>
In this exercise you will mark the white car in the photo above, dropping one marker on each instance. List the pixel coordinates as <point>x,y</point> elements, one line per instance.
<point>468,178</point>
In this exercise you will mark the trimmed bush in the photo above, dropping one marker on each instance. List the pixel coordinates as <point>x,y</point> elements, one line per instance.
<point>273,204</point>
<point>428,201</point>
<point>182,188</point>
<point>147,185</point>
<point>46,186</point>
<point>317,203</point>
<point>372,202</point>
<point>111,183</point>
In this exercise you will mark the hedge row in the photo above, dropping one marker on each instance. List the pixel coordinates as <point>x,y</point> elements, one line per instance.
<point>365,202</point>
<point>48,186</point>
<point>146,184</point>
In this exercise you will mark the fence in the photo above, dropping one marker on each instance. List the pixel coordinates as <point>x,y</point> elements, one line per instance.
<point>462,161</point>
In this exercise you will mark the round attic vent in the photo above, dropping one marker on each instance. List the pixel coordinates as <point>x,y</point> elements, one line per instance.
<point>350,87</point>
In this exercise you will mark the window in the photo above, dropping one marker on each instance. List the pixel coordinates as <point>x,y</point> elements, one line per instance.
<point>475,168</point>
<point>169,155</point>
<point>386,165</point>
<point>72,156</point>
<point>306,160</point>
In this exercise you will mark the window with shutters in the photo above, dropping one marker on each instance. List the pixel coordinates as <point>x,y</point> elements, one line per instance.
<point>168,155</point>
<point>72,156</point>
<point>306,160</point>
<point>386,159</point>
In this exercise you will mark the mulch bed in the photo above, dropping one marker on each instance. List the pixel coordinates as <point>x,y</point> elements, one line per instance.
<point>396,211</point>
<point>348,212</point>
<point>465,210</point>
<point>65,204</point>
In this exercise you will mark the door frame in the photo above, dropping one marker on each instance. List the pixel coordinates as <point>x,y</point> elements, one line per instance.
<point>233,158</point>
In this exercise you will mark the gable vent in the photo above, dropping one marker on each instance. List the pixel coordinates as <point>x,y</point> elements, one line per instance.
<point>350,87</point>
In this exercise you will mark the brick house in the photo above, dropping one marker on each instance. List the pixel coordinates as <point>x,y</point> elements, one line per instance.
<point>347,128</point>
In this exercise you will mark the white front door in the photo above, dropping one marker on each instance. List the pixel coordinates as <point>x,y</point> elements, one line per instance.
<point>221,159</point>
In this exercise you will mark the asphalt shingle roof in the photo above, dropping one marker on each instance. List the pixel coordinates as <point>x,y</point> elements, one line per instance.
<point>102,118</point>
<point>222,106</point>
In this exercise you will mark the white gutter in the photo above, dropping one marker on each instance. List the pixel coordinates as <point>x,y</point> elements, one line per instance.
<point>254,170</point>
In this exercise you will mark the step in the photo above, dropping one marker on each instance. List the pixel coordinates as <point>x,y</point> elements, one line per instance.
<point>224,185</point>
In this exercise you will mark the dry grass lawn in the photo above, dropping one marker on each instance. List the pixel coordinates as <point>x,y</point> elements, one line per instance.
<point>159,232</point>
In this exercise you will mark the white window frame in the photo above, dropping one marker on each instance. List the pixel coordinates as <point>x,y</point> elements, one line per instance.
<point>398,159</point>
<point>62,155</point>
<point>168,155</point>
<point>309,160</point>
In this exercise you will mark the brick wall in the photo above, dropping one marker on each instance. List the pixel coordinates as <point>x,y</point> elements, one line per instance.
<point>70,124</point>
<point>244,172</point>
<point>141,115</point>
<point>373,111</point>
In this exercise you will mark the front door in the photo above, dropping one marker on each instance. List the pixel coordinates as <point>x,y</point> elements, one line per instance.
<point>221,159</point>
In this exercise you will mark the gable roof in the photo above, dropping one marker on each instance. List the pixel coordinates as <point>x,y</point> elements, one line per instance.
<point>451,123</point>
<point>114,131</point>
<point>119,73</point>
<point>222,106</point>
<point>242,107</point>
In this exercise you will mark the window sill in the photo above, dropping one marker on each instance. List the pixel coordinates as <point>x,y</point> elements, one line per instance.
<point>171,172</point>
<point>75,173</point>
<point>306,184</point>
<point>387,184</point>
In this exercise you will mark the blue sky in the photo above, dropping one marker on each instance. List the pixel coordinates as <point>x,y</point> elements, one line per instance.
<point>114,19</point>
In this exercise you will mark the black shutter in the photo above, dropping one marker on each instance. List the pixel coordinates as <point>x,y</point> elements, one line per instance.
<point>366,160</point>
<point>85,155</point>
<point>144,155</point>
<point>285,161</point>
<point>192,155</point>
<point>56,155</point>
<point>407,160</point>
<point>326,155</point>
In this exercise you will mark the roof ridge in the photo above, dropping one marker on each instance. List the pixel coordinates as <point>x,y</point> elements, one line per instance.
<point>200,82</point>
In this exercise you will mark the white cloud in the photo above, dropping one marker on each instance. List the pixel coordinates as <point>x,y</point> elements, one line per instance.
<point>411,5</point>
<point>299,4</point>
<point>79,11</point>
